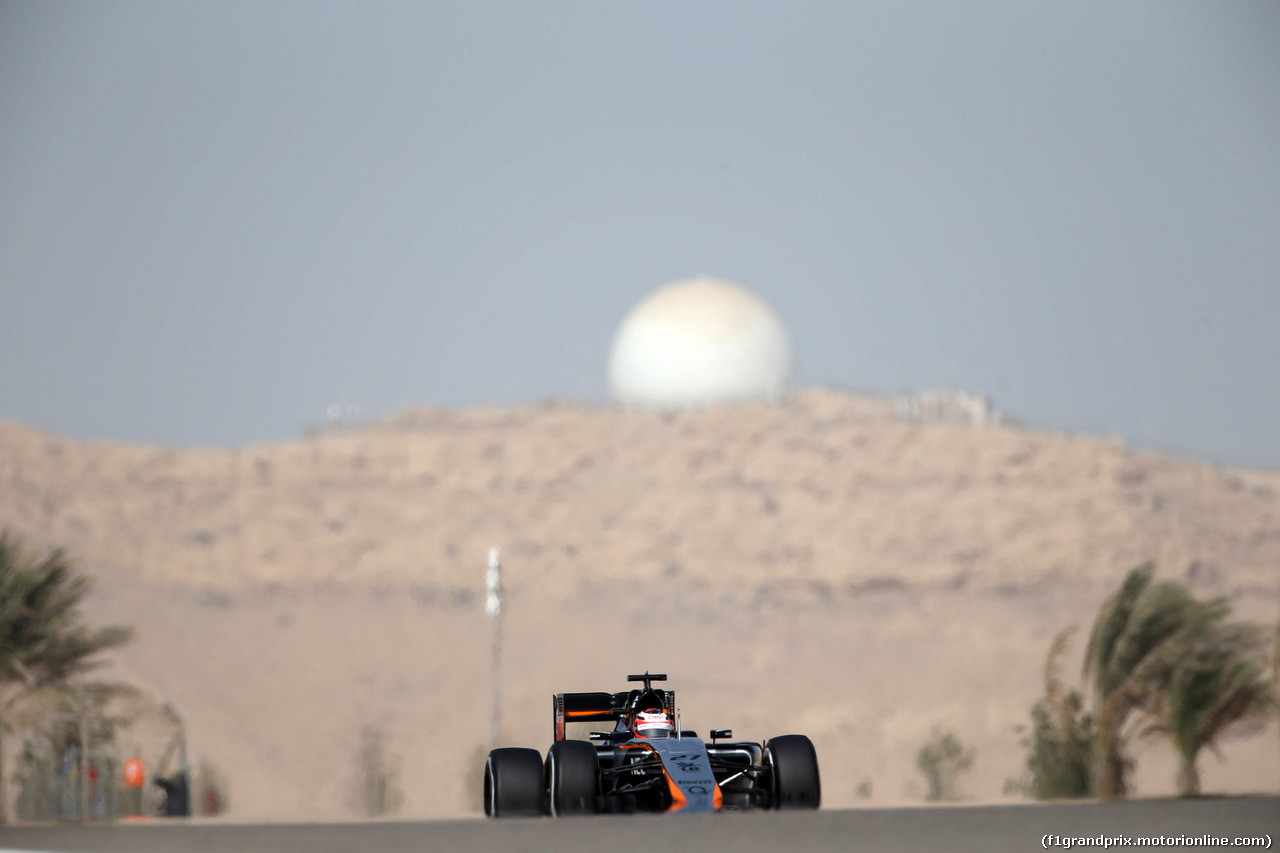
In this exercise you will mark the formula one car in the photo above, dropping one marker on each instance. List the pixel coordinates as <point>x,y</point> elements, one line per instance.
<point>647,763</point>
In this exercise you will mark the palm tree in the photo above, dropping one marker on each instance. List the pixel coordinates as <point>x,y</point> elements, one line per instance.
<point>1140,633</point>
<point>43,641</point>
<point>1217,687</point>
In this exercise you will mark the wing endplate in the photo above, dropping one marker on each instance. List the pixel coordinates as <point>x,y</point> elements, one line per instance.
<point>582,708</point>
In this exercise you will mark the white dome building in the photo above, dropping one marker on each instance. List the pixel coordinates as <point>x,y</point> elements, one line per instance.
<point>698,342</point>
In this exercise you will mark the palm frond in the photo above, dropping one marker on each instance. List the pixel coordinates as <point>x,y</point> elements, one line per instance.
<point>42,638</point>
<point>1110,623</point>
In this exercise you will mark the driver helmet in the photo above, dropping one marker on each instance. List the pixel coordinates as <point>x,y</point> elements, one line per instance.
<point>653,723</point>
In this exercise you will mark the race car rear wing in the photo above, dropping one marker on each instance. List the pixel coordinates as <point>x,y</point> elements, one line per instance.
<point>599,707</point>
<point>583,708</point>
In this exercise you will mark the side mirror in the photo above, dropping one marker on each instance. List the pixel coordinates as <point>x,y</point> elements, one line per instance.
<point>600,735</point>
<point>721,733</point>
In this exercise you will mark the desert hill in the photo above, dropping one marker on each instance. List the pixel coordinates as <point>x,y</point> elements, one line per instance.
<point>821,565</point>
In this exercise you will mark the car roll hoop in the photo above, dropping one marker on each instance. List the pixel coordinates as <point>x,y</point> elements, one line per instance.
<point>647,678</point>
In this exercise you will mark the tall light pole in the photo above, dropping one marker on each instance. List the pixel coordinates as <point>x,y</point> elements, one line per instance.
<point>83,716</point>
<point>493,606</point>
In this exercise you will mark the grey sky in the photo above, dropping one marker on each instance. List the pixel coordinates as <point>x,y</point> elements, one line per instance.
<point>218,218</point>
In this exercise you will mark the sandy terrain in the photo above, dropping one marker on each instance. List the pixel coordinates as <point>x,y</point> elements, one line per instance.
<point>820,566</point>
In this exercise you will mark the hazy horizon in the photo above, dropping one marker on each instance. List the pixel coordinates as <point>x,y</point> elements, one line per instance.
<point>217,220</point>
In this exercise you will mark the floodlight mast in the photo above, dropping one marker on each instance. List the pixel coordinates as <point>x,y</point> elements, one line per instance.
<point>84,755</point>
<point>493,606</point>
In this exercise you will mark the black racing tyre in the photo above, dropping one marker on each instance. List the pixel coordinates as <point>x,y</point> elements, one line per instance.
<point>513,783</point>
<point>794,765</point>
<point>572,778</point>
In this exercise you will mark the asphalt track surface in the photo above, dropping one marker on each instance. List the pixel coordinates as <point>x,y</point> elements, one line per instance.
<point>957,829</point>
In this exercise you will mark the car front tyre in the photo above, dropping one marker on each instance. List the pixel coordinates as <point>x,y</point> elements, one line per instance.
<point>794,769</point>
<point>572,778</point>
<point>513,783</point>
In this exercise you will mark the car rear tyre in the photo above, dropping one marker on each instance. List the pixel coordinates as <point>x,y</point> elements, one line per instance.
<point>513,783</point>
<point>572,778</point>
<point>794,765</point>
